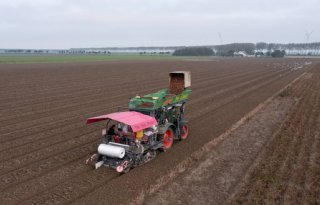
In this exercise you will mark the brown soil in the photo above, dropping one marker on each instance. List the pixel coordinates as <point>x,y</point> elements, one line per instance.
<point>272,158</point>
<point>213,178</point>
<point>289,170</point>
<point>44,140</point>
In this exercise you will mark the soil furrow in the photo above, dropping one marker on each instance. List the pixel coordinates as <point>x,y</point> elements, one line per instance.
<point>283,175</point>
<point>297,176</point>
<point>286,171</point>
<point>109,184</point>
<point>65,91</point>
<point>57,107</point>
<point>233,97</point>
<point>44,150</point>
<point>12,138</point>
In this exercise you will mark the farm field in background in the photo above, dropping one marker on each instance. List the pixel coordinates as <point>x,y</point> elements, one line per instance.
<point>44,140</point>
<point>43,58</point>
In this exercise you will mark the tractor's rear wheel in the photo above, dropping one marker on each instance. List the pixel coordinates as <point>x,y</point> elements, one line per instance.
<point>167,139</point>
<point>184,132</point>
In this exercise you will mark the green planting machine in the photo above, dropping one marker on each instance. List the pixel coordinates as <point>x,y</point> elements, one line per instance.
<point>153,122</point>
<point>167,106</point>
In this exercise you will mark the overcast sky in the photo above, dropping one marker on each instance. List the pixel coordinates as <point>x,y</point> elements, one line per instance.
<point>121,23</point>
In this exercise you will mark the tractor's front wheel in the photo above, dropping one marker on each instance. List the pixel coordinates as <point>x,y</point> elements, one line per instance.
<point>167,139</point>
<point>184,132</point>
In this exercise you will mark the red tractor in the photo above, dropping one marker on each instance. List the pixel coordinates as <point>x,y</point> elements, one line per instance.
<point>132,138</point>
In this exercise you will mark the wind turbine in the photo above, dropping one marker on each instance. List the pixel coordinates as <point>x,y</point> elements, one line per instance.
<point>220,38</point>
<point>308,34</point>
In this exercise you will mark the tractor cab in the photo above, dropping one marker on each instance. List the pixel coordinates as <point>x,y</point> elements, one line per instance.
<point>118,132</point>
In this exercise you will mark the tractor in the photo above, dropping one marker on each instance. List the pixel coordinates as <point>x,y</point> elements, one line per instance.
<point>151,123</point>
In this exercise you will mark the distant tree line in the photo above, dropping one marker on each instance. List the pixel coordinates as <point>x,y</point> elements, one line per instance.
<point>289,46</point>
<point>194,51</point>
<point>155,53</point>
<point>25,51</point>
<point>258,49</point>
<point>233,49</point>
<point>230,49</point>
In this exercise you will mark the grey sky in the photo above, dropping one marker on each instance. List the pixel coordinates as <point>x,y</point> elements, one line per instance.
<point>105,23</point>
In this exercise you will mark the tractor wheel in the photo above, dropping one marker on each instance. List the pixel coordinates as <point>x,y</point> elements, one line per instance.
<point>124,167</point>
<point>184,132</point>
<point>167,139</point>
<point>126,170</point>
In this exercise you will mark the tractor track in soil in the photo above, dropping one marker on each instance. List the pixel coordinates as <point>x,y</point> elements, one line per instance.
<point>63,156</point>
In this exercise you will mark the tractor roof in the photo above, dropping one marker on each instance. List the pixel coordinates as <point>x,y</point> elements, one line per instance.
<point>136,120</point>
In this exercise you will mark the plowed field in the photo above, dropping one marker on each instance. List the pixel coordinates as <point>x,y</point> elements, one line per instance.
<point>289,170</point>
<point>44,139</point>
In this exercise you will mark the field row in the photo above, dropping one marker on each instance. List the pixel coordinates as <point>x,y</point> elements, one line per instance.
<point>44,141</point>
<point>289,170</point>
